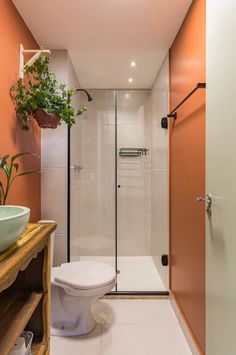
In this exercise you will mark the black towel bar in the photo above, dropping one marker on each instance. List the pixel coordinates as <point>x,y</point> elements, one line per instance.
<point>173,113</point>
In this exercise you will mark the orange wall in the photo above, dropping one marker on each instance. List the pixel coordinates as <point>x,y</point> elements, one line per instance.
<point>187,171</point>
<point>13,139</point>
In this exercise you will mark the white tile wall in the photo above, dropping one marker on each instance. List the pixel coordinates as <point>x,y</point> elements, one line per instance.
<point>134,174</point>
<point>53,147</point>
<point>54,163</point>
<point>53,196</point>
<point>93,188</point>
<point>60,250</point>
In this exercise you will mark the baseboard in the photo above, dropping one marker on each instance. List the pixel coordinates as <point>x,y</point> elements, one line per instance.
<point>184,326</point>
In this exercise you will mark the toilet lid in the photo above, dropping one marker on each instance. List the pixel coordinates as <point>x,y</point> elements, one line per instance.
<point>85,274</point>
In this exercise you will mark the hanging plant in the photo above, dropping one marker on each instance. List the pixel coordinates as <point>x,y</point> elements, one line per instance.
<point>42,97</point>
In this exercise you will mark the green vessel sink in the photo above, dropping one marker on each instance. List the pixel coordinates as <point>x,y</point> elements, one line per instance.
<point>13,220</point>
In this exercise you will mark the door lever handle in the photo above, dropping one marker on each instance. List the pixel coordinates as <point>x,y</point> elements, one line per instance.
<point>208,200</point>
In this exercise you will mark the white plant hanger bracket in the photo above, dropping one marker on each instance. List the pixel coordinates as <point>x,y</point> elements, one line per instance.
<point>31,61</point>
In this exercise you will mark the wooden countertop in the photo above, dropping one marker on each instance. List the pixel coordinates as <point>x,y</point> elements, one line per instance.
<point>17,257</point>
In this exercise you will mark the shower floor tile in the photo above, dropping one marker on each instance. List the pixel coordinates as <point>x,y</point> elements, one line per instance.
<point>128,326</point>
<point>137,273</point>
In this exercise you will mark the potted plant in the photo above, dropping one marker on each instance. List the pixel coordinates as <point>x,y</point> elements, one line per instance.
<point>42,97</point>
<point>13,219</point>
<point>11,172</point>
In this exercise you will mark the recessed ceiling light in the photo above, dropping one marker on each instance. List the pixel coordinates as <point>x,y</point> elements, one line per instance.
<point>133,64</point>
<point>130,80</point>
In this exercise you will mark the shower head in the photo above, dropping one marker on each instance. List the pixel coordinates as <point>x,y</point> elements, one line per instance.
<point>86,92</point>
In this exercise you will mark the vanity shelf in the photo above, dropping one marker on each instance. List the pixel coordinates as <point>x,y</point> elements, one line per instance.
<point>15,316</point>
<point>25,289</point>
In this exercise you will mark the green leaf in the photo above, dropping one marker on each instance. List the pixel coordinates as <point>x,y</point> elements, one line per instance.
<point>10,177</point>
<point>7,170</point>
<point>81,110</point>
<point>16,166</point>
<point>14,157</point>
<point>27,173</point>
<point>3,160</point>
<point>1,193</point>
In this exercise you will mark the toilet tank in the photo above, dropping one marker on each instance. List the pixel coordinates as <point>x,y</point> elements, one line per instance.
<point>52,238</point>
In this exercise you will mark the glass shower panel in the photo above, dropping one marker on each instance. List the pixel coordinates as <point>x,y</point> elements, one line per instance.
<point>137,269</point>
<point>92,145</point>
<point>117,195</point>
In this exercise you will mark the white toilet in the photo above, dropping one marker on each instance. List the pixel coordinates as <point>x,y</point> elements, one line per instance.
<point>74,286</point>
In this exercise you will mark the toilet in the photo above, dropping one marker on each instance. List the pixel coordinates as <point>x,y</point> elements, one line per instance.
<point>74,287</point>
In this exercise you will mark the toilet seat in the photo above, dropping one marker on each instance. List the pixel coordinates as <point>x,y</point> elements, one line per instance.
<point>84,275</point>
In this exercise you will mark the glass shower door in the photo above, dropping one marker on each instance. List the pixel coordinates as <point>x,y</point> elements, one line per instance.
<point>135,261</point>
<point>92,180</point>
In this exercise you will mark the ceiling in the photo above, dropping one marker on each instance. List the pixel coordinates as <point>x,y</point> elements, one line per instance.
<point>104,36</point>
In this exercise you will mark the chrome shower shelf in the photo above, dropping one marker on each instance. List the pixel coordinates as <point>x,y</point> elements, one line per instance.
<point>132,152</point>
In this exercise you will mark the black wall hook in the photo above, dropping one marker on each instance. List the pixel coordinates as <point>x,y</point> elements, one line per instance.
<point>164,120</point>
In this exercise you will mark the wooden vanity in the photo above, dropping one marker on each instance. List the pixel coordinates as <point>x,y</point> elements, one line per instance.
<point>25,289</point>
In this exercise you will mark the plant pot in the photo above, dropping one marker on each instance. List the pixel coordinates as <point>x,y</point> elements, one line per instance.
<point>46,120</point>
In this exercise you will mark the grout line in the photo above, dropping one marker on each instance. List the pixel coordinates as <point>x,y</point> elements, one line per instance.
<point>53,167</point>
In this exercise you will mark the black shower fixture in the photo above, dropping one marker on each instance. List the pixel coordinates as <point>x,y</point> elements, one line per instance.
<point>86,92</point>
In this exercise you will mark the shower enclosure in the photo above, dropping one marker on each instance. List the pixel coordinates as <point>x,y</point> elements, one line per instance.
<point>110,154</point>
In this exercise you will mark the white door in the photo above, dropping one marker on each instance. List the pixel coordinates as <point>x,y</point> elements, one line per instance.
<point>221,177</point>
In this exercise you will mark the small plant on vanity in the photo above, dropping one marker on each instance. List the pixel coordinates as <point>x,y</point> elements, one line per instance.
<point>42,97</point>
<point>10,168</point>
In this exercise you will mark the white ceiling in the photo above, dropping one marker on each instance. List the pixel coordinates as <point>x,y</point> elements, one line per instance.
<point>104,36</point>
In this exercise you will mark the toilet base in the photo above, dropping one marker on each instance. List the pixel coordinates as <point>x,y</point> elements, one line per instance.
<point>70,330</point>
<point>70,315</point>
<point>71,310</point>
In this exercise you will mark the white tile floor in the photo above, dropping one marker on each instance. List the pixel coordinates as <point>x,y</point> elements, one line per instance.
<point>137,273</point>
<point>128,327</point>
